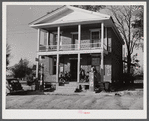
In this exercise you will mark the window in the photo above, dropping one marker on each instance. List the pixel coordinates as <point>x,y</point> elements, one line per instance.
<point>54,65</point>
<point>74,40</point>
<point>109,39</point>
<point>109,44</point>
<point>42,57</point>
<point>56,38</point>
<point>95,37</point>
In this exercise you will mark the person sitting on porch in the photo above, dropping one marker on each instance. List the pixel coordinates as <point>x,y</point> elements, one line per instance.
<point>61,79</point>
<point>87,77</point>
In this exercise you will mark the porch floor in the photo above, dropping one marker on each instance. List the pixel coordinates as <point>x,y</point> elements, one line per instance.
<point>68,88</point>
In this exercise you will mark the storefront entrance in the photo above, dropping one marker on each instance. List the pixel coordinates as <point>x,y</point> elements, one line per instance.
<point>73,69</point>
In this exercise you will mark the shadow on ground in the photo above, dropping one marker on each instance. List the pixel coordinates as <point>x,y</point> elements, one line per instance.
<point>28,92</point>
<point>131,87</point>
<point>138,85</point>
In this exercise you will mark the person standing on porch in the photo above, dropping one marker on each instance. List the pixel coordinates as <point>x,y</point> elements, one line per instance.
<point>82,74</point>
<point>93,69</point>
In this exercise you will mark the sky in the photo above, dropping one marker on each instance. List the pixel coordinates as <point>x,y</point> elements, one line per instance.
<point>22,38</point>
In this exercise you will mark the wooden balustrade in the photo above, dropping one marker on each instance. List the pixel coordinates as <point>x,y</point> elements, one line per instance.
<point>65,47</point>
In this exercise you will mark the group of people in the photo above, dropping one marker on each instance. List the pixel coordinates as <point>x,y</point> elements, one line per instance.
<point>85,77</point>
<point>65,77</point>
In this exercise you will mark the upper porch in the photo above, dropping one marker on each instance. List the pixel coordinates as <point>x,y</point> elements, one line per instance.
<point>85,38</point>
<point>73,29</point>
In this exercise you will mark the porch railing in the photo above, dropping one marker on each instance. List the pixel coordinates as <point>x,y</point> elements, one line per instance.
<point>44,48</point>
<point>66,47</point>
<point>89,46</point>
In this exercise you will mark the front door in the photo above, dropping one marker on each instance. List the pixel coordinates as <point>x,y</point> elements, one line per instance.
<point>73,70</point>
<point>74,41</point>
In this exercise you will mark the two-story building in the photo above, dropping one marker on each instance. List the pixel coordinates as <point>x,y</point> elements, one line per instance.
<point>78,38</point>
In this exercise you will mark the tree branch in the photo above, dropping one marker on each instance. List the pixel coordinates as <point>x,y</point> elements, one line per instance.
<point>133,45</point>
<point>126,19</point>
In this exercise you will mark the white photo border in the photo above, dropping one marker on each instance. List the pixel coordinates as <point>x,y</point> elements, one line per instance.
<point>71,114</point>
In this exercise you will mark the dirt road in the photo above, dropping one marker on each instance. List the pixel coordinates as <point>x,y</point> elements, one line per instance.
<point>122,100</point>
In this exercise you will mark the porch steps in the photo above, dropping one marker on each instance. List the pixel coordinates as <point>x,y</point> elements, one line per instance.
<point>67,88</point>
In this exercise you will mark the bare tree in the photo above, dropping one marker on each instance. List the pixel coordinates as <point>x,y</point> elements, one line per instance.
<point>124,18</point>
<point>127,20</point>
<point>95,8</point>
<point>138,23</point>
<point>7,54</point>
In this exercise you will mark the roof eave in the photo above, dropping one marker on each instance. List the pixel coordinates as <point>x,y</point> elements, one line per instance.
<point>69,23</point>
<point>117,32</point>
<point>47,15</point>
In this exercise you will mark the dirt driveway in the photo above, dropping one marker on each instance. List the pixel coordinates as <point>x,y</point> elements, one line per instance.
<point>122,100</point>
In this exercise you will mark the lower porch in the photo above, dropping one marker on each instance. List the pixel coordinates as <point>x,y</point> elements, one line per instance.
<point>56,65</point>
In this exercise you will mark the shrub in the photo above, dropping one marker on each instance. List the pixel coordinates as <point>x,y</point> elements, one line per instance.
<point>128,78</point>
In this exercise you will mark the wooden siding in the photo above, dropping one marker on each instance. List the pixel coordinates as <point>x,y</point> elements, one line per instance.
<point>117,67</point>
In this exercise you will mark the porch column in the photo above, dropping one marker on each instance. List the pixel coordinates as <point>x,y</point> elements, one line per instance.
<point>106,39</point>
<point>79,36</point>
<point>58,37</point>
<point>47,47</point>
<point>79,41</point>
<point>38,40</point>
<point>38,45</point>
<point>57,68</point>
<point>102,53</point>
<point>78,72</point>
<point>102,34</point>
<point>37,66</point>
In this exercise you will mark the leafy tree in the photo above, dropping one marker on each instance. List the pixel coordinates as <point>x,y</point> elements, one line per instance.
<point>21,69</point>
<point>7,55</point>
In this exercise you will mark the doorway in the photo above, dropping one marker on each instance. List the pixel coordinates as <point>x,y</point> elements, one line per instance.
<point>74,41</point>
<point>73,70</point>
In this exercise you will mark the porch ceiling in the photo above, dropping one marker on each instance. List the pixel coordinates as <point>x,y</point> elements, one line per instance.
<point>74,27</point>
<point>72,52</point>
<point>48,26</point>
<point>75,55</point>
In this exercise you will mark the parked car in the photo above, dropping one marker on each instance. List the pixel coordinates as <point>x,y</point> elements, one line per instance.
<point>13,86</point>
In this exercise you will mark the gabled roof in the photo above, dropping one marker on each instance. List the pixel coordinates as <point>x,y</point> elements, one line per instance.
<point>68,14</point>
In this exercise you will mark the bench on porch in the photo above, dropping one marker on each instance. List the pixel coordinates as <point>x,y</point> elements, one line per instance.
<point>84,85</point>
